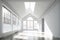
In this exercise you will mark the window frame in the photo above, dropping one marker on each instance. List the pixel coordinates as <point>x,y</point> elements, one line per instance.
<point>27,24</point>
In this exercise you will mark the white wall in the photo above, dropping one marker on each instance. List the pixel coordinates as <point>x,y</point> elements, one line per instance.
<point>52,18</point>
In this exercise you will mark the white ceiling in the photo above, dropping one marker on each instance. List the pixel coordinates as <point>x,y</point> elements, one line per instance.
<point>40,7</point>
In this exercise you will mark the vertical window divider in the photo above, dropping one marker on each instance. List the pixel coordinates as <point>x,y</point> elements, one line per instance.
<point>26,25</point>
<point>33,24</point>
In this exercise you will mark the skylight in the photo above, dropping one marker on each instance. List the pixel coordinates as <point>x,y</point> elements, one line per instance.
<point>29,6</point>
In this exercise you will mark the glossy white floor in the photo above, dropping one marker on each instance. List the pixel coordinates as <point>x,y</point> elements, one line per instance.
<point>32,35</point>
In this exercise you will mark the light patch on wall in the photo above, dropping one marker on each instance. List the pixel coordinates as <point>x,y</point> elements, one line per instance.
<point>48,32</point>
<point>29,6</point>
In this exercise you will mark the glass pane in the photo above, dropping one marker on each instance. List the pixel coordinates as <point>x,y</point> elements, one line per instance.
<point>24,25</point>
<point>30,24</point>
<point>36,25</point>
<point>19,25</point>
<point>6,16</point>
<point>24,22</point>
<point>30,5</point>
<point>13,19</point>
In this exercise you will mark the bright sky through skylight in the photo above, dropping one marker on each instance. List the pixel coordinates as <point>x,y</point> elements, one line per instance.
<point>29,6</point>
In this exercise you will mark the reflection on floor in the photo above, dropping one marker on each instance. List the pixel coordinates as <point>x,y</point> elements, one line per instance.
<point>31,35</point>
